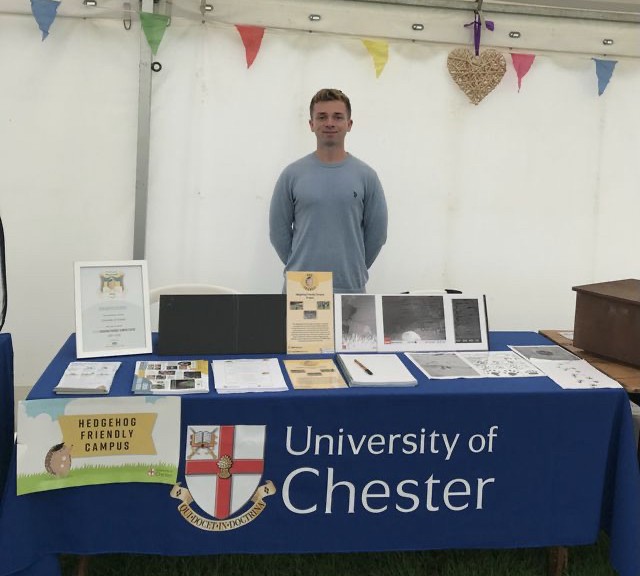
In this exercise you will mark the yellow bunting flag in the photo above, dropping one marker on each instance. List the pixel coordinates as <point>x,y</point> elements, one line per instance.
<point>379,51</point>
<point>154,26</point>
<point>90,435</point>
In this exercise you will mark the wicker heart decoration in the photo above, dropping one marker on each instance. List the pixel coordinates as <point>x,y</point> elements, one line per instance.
<point>476,75</point>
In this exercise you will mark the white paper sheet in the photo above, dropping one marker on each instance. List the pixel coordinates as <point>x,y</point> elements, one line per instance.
<point>248,375</point>
<point>494,364</point>
<point>575,374</point>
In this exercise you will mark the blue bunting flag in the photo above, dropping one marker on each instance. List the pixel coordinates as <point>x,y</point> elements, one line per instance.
<point>44,11</point>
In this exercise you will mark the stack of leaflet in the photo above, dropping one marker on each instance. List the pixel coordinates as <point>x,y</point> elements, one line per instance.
<point>375,370</point>
<point>87,378</point>
<point>171,377</point>
<point>309,374</point>
<point>564,368</point>
<point>248,375</point>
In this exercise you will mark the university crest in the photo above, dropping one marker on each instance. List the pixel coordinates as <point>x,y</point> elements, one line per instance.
<point>223,468</point>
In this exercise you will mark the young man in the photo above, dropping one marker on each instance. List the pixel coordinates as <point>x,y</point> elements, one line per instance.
<point>328,210</point>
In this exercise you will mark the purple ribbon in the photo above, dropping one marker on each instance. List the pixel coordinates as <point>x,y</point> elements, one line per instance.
<point>477,29</point>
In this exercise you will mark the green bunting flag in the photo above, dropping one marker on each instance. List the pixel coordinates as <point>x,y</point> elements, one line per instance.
<point>153,26</point>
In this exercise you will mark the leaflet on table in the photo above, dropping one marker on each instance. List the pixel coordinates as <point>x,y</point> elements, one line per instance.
<point>564,368</point>
<point>410,322</point>
<point>375,370</point>
<point>64,442</point>
<point>309,312</point>
<point>494,364</point>
<point>314,373</point>
<point>87,378</point>
<point>248,375</point>
<point>171,377</point>
<point>545,352</point>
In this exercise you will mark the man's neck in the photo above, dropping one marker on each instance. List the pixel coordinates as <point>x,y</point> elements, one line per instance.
<point>331,155</point>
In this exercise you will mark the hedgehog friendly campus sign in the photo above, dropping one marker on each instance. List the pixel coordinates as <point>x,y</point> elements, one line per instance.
<point>64,442</point>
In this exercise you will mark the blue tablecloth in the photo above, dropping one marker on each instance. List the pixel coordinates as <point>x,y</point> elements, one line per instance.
<point>6,405</point>
<point>525,463</point>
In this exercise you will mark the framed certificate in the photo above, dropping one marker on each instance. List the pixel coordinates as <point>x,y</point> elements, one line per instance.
<point>112,308</point>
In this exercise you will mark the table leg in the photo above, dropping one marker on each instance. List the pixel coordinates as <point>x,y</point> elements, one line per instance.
<point>558,560</point>
<point>82,568</point>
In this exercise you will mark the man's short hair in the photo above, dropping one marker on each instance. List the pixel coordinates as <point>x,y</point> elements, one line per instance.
<point>328,95</point>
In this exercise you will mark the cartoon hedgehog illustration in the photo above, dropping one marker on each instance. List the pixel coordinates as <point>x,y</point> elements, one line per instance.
<point>58,460</point>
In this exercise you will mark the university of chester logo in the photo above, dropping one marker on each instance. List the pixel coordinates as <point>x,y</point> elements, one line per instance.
<point>223,469</point>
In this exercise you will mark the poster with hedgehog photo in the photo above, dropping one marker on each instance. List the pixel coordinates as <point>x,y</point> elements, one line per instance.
<point>64,442</point>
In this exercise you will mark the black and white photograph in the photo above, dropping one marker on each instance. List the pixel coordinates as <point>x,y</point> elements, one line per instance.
<point>442,365</point>
<point>466,320</point>
<point>413,319</point>
<point>358,322</point>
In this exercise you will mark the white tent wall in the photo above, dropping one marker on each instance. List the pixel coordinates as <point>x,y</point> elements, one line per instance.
<point>520,198</point>
<point>68,148</point>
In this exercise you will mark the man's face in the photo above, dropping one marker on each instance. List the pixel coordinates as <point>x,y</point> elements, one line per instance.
<point>330,123</point>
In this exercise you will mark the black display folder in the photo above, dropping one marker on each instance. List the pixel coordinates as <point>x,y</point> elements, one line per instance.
<point>222,324</point>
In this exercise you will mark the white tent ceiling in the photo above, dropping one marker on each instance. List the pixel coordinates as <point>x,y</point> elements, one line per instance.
<point>594,27</point>
<point>618,10</point>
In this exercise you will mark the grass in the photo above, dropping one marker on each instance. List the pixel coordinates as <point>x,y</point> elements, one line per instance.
<point>87,475</point>
<point>583,561</point>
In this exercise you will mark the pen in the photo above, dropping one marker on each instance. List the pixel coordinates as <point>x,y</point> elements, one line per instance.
<point>363,366</point>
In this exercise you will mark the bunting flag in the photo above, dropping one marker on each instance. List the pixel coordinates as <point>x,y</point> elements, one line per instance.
<point>44,11</point>
<point>522,63</point>
<point>379,51</point>
<point>154,26</point>
<point>252,39</point>
<point>604,71</point>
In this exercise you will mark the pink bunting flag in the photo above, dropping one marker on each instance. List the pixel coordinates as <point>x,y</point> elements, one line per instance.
<point>252,39</point>
<point>522,63</point>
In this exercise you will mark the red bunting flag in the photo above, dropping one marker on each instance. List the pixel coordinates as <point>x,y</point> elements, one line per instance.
<point>522,63</point>
<point>252,39</point>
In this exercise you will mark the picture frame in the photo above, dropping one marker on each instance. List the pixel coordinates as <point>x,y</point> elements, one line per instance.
<point>112,311</point>
<point>410,322</point>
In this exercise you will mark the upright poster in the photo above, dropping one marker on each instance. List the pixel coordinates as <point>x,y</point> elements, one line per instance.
<point>309,312</point>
